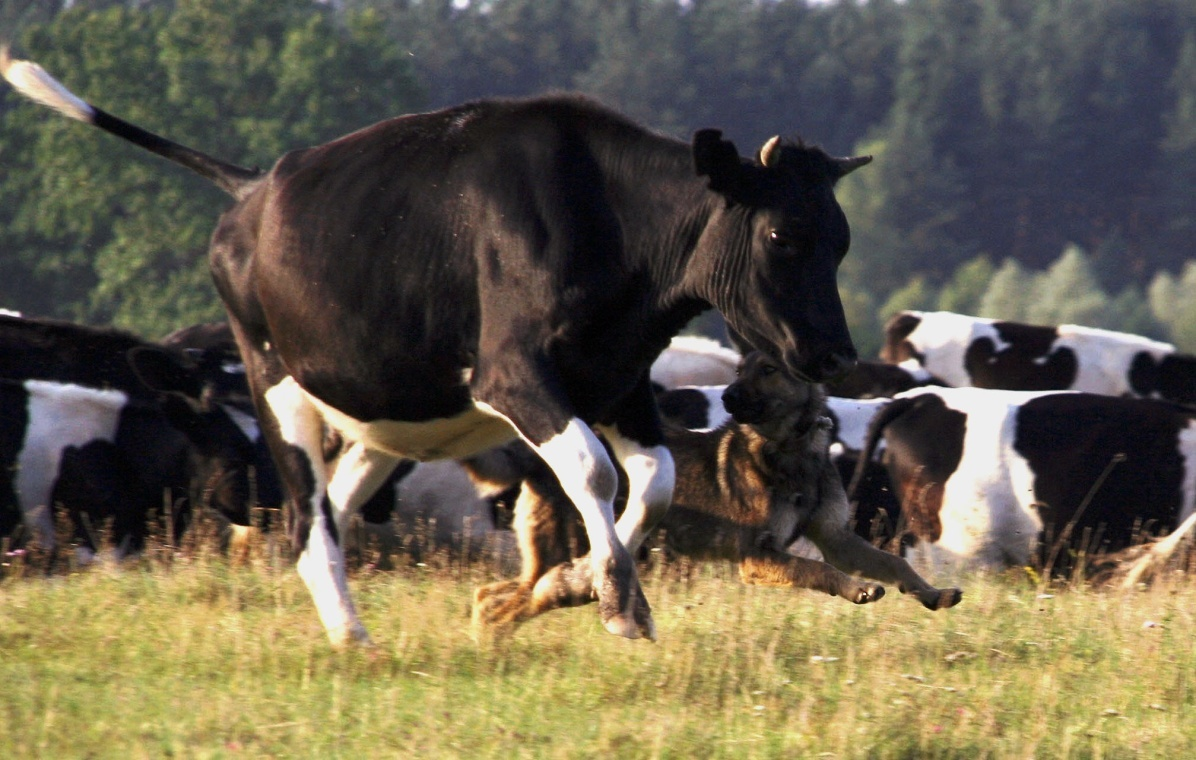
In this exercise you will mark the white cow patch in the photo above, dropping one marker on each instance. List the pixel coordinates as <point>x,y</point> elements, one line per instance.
<point>943,338</point>
<point>988,514</point>
<point>695,360</point>
<point>468,433</point>
<point>60,415</point>
<point>854,416</point>
<point>1104,357</point>
<point>650,477</point>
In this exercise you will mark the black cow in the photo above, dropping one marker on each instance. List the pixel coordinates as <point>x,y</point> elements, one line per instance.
<point>82,429</point>
<point>989,353</point>
<point>984,475</point>
<point>435,284</point>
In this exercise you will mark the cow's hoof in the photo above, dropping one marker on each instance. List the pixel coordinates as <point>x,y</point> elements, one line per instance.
<point>621,603</point>
<point>940,598</point>
<point>867,592</point>
<point>633,626</point>
<point>350,636</point>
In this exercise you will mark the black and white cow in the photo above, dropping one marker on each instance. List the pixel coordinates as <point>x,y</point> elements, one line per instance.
<point>984,476</point>
<point>436,284</point>
<point>82,429</point>
<point>987,353</point>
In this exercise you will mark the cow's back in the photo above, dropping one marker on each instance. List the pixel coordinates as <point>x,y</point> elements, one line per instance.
<point>433,227</point>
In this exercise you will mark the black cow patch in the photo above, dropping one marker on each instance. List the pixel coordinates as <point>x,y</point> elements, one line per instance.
<point>1120,455</point>
<point>687,407</point>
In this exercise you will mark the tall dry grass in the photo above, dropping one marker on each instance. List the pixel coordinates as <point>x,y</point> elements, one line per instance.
<point>184,654</point>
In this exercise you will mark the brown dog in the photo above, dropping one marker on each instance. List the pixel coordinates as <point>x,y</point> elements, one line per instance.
<point>744,492</point>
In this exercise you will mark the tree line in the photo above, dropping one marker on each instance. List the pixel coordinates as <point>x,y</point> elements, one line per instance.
<point>1034,158</point>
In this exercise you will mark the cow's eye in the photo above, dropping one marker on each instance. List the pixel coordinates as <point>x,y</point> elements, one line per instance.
<point>782,241</point>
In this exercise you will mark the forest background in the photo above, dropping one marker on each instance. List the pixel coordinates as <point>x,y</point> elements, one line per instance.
<point>1035,159</point>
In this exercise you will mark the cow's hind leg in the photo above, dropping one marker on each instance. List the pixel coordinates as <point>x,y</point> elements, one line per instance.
<point>319,506</point>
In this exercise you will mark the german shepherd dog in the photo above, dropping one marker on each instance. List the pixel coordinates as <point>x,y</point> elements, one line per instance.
<point>744,492</point>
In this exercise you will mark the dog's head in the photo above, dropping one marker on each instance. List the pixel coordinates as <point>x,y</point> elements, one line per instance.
<point>767,397</point>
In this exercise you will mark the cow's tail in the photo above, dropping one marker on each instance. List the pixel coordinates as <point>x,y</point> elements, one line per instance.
<point>876,428</point>
<point>35,83</point>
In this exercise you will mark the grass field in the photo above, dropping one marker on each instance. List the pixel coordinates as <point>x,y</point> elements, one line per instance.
<point>184,655</point>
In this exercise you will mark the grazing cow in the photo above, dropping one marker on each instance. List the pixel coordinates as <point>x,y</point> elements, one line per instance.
<point>746,491</point>
<point>987,353</point>
<point>984,475</point>
<point>438,283</point>
<point>694,360</point>
<point>84,430</point>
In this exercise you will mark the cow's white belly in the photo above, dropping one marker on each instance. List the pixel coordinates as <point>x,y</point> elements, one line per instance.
<point>463,435</point>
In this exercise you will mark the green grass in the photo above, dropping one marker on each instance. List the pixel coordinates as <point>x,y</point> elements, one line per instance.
<point>188,656</point>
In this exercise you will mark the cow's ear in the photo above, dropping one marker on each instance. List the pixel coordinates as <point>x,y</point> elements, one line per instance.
<point>165,371</point>
<point>718,160</point>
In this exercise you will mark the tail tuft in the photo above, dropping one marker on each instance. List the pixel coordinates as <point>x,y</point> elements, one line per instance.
<point>33,82</point>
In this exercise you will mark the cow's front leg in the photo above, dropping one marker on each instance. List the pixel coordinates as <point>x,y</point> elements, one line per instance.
<point>588,477</point>
<point>637,441</point>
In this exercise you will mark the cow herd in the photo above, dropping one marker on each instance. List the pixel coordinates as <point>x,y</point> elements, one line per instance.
<point>443,308</point>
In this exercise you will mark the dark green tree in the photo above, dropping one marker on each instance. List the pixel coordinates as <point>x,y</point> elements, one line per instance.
<point>103,232</point>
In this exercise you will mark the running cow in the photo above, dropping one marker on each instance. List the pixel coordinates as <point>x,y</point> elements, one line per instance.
<point>436,284</point>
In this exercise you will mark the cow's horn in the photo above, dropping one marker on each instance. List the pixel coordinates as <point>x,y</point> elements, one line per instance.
<point>771,151</point>
<point>848,165</point>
